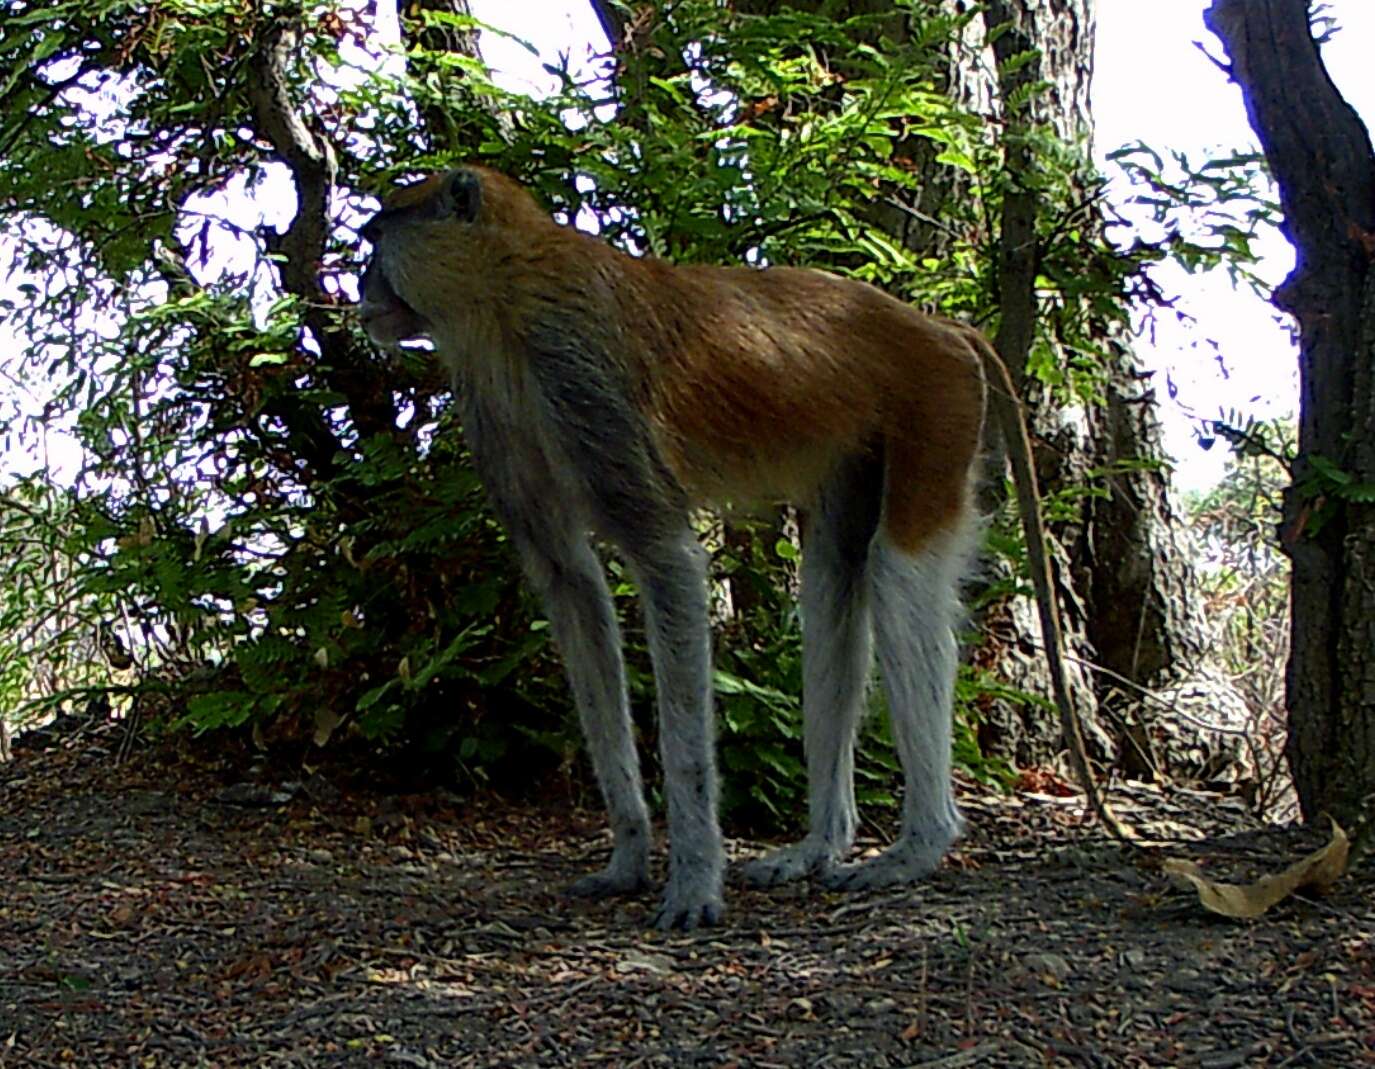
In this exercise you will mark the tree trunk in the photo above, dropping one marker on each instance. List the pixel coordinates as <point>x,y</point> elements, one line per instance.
<point>1320,155</point>
<point>1019,732</point>
<point>1131,580</point>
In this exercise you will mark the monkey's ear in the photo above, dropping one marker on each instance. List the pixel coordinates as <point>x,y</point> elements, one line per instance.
<point>462,197</point>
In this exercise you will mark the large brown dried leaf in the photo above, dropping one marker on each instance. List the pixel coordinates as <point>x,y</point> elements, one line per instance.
<point>1319,870</point>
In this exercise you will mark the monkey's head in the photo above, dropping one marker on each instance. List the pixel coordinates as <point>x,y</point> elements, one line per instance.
<point>435,245</point>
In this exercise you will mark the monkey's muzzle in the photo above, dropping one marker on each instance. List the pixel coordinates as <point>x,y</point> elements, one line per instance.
<point>384,315</point>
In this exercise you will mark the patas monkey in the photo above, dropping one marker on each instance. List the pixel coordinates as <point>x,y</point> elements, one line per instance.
<point>605,393</point>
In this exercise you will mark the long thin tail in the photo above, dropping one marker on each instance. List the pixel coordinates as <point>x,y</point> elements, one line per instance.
<point>1002,397</point>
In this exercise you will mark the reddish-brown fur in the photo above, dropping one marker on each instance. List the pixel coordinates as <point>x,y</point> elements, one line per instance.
<point>597,386</point>
<point>756,382</point>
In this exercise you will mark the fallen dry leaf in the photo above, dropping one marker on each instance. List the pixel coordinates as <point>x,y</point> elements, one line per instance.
<point>1319,870</point>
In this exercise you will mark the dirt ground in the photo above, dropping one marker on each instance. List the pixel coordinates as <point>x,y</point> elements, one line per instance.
<point>154,914</point>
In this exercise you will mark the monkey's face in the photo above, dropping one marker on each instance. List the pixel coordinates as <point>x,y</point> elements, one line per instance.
<point>385,316</point>
<point>415,241</point>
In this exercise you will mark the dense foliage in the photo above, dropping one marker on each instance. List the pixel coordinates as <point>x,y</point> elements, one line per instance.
<point>279,524</point>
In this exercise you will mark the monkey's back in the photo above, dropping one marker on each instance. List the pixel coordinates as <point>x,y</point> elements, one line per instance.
<point>761,380</point>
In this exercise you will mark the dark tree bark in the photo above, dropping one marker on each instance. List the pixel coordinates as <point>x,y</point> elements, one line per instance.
<point>1320,155</point>
<point>612,19</point>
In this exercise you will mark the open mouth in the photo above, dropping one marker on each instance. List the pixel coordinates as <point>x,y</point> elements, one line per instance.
<point>385,316</point>
<point>392,324</point>
<point>391,321</point>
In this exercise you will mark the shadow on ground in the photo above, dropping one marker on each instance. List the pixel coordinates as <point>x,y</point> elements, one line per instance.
<point>150,919</point>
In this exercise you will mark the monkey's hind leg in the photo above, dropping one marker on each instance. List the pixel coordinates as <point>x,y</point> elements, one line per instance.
<point>915,609</point>
<point>837,654</point>
<point>565,571</point>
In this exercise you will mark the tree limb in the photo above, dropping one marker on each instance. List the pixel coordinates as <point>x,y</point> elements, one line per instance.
<point>310,158</point>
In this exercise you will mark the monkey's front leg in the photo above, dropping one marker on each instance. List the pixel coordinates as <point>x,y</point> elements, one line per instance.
<point>568,576</point>
<point>673,584</point>
<point>564,570</point>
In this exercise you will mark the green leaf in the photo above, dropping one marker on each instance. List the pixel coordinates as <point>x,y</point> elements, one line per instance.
<point>370,698</point>
<point>954,157</point>
<point>219,709</point>
<point>1330,471</point>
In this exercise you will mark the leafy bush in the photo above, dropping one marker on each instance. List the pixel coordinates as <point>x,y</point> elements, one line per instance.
<point>281,525</point>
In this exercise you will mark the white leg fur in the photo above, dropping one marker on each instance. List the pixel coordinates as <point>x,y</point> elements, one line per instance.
<point>837,656</point>
<point>915,607</point>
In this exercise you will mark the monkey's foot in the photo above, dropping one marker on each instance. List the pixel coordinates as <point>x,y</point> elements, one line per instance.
<point>906,861</point>
<point>624,875</point>
<point>687,907</point>
<point>788,863</point>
